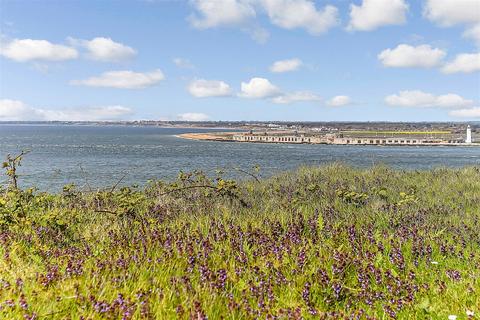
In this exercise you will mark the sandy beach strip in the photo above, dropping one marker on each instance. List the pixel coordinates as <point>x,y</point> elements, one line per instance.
<point>209,136</point>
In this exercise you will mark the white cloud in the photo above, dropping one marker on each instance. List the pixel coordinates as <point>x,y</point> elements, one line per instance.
<point>192,116</point>
<point>123,79</point>
<point>15,110</point>
<point>451,12</point>
<point>372,14</point>
<point>258,88</point>
<point>104,49</point>
<point>472,113</point>
<point>202,88</point>
<point>183,63</point>
<point>287,14</point>
<point>214,13</point>
<point>447,13</point>
<point>473,33</point>
<point>101,49</point>
<point>299,96</point>
<point>417,98</point>
<point>406,56</point>
<point>86,114</point>
<point>291,14</point>
<point>465,62</point>
<point>286,65</point>
<point>339,101</point>
<point>22,50</point>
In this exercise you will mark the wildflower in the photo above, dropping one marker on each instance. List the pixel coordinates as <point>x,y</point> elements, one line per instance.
<point>9,303</point>
<point>452,317</point>
<point>453,275</point>
<point>434,262</point>
<point>23,303</point>
<point>30,317</point>
<point>470,313</point>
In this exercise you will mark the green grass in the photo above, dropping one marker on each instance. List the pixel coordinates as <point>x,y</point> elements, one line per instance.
<point>329,242</point>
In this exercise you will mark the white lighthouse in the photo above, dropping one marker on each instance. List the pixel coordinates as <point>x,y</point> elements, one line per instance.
<point>469,135</point>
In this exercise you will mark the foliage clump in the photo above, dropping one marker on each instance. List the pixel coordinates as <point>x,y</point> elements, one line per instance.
<point>329,242</point>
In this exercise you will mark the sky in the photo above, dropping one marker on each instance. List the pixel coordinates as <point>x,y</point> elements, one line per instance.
<point>279,60</point>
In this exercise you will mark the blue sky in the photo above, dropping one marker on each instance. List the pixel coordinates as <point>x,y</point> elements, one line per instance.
<point>352,60</point>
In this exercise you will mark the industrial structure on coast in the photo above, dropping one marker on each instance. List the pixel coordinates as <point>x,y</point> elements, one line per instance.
<point>357,138</point>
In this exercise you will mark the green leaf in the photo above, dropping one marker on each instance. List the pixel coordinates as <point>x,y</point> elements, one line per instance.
<point>425,304</point>
<point>394,273</point>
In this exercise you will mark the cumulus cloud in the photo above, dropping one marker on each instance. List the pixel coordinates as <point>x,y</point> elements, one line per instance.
<point>417,98</point>
<point>406,56</point>
<point>202,88</point>
<point>214,13</point>
<point>465,62</point>
<point>123,79</point>
<point>229,13</point>
<point>193,116</point>
<point>447,13</point>
<point>23,50</point>
<point>287,14</point>
<point>258,88</point>
<point>299,96</point>
<point>86,114</point>
<point>15,110</point>
<point>292,14</point>
<point>339,101</point>
<point>471,113</point>
<point>372,14</point>
<point>286,65</point>
<point>451,12</point>
<point>104,49</point>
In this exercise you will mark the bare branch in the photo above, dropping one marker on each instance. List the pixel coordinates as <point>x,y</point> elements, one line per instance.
<point>185,188</point>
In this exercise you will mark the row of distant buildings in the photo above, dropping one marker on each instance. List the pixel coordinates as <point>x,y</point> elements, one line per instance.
<point>339,139</point>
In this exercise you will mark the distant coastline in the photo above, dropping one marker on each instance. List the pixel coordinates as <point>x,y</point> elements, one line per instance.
<point>293,137</point>
<point>337,133</point>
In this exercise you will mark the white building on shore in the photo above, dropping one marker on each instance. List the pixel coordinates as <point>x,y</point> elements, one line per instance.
<point>469,135</point>
<point>339,139</point>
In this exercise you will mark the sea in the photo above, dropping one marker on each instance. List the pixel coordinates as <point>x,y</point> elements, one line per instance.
<point>97,156</point>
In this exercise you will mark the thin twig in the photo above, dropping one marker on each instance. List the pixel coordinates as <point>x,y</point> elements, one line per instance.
<point>118,182</point>
<point>85,177</point>
<point>24,152</point>
<point>184,188</point>
<point>248,173</point>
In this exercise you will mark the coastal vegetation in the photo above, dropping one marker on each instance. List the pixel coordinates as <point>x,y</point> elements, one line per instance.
<point>320,242</point>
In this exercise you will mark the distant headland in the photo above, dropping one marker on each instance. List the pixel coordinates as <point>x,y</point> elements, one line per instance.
<point>361,134</point>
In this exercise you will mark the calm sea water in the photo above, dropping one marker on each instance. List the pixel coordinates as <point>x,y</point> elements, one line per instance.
<point>100,155</point>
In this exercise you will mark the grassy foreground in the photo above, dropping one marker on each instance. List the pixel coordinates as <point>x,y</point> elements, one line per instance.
<point>330,242</point>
